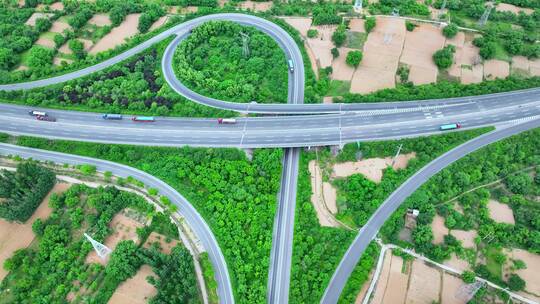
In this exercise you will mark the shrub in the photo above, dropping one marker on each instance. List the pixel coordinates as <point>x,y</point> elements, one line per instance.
<point>444,57</point>
<point>335,52</point>
<point>40,57</point>
<point>77,47</point>
<point>370,24</point>
<point>354,58</point>
<point>312,33</point>
<point>339,36</point>
<point>410,26</point>
<point>516,283</point>
<point>468,276</point>
<point>87,169</point>
<point>450,31</point>
<point>43,24</point>
<point>58,40</point>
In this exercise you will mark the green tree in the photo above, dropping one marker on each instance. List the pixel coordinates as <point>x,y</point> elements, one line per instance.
<point>520,183</point>
<point>40,57</point>
<point>488,50</point>
<point>468,276</point>
<point>7,58</point>
<point>312,33</point>
<point>369,24</point>
<point>59,40</point>
<point>335,52</point>
<point>354,58</point>
<point>410,26</point>
<point>339,36</point>
<point>77,47</point>
<point>516,283</point>
<point>444,57</point>
<point>43,24</point>
<point>450,31</point>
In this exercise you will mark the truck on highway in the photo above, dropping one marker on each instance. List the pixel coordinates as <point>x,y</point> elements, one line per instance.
<point>45,118</point>
<point>143,119</point>
<point>291,66</point>
<point>226,121</point>
<point>37,113</point>
<point>450,126</point>
<point>112,116</point>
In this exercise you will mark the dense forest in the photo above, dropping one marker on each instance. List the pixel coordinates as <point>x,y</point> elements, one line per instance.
<point>214,62</point>
<point>22,191</point>
<point>236,197</point>
<point>46,273</point>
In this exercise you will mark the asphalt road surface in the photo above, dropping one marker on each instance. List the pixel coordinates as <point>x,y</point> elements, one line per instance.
<point>370,229</point>
<point>193,218</point>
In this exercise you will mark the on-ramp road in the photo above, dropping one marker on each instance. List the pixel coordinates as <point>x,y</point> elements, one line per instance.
<point>370,229</point>
<point>193,218</point>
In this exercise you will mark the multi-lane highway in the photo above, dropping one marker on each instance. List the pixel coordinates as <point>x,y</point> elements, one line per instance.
<point>370,229</point>
<point>193,218</point>
<point>342,123</point>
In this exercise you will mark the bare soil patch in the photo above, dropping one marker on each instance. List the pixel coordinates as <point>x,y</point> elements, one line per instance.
<point>357,25</point>
<point>439,229</point>
<point>135,290</point>
<point>328,99</point>
<point>123,228</point>
<point>256,6</point>
<point>382,50</point>
<point>59,26</point>
<point>58,61</point>
<point>534,67</point>
<point>451,285</point>
<point>57,6</point>
<point>466,237</point>
<point>520,63</point>
<point>100,20</point>
<point>472,75</point>
<point>312,59</point>
<point>323,197</point>
<point>530,274</point>
<point>496,69</point>
<point>457,263</point>
<point>166,247</point>
<point>188,10</point>
<point>46,42</point>
<point>371,168</point>
<point>35,16</point>
<point>340,69</point>
<point>301,24</point>
<point>504,7</point>
<point>159,23</point>
<point>14,236</point>
<point>378,293</point>
<point>500,213</point>
<point>424,284</point>
<point>396,288</point>
<point>118,35</point>
<point>322,45</point>
<point>418,50</point>
<point>66,50</point>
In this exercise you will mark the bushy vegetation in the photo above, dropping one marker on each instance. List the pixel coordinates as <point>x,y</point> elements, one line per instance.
<point>212,62</point>
<point>15,36</point>
<point>450,31</point>
<point>46,273</point>
<point>444,57</point>
<point>354,58</point>
<point>369,24</point>
<point>135,86</point>
<point>493,162</point>
<point>317,250</point>
<point>404,7</point>
<point>236,197</point>
<point>22,191</point>
<point>361,197</point>
<point>340,35</point>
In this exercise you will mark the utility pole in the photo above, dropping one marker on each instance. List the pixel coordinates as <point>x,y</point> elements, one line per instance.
<point>101,250</point>
<point>485,15</point>
<point>397,154</point>
<point>245,44</point>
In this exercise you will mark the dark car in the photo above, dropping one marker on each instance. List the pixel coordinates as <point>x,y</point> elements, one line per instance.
<point>45,118</point>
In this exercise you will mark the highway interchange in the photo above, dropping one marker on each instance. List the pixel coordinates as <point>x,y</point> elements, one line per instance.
<point>342,123</point>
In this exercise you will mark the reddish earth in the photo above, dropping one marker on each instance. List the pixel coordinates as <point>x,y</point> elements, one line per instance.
<point>15,236</point>
<point>100,20</point>
<point>439,229</point>
<point>165,246</point>
<point>118,35</point>
<point>424,285</point>
<point>500,213</point>
<point>136,290</point>
<point>496,69</point>
<point>371,168</point>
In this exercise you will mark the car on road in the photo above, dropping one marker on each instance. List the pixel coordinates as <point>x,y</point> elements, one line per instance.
<point>112,116</point>
<point>226,121</point>
<point>45,118</point>
<point>143,119</point>
<point>450,126</point>
<point>291,66</point>
<point>37,113</point>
